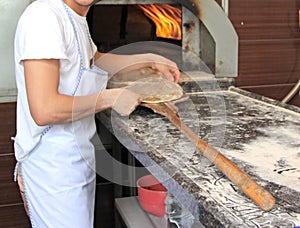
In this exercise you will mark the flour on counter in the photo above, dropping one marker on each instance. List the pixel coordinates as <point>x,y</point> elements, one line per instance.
<point>275,156</point>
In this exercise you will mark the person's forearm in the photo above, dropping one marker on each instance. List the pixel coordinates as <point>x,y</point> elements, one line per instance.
<point>64,109</point>
<point>113,63</point>
<point>47,106</point>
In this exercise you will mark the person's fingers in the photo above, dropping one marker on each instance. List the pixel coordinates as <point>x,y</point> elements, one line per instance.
<point>170,71</point>
<point>169,76</point>
<point>172,74</point>
<point>176,74</point>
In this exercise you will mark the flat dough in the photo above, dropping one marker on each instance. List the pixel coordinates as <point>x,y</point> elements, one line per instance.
<point>124,79</point>
<point>156,90</point>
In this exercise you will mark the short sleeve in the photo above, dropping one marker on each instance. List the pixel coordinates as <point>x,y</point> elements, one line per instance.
<point>40,35</point>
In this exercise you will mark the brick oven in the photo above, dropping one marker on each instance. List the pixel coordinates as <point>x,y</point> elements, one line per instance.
<point>206,39</point>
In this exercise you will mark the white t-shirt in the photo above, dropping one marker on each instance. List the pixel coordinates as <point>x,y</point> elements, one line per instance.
<point>44,31</point>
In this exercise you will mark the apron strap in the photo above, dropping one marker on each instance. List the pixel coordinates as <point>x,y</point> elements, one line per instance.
<point>75,32</point>
<point>78,46</point>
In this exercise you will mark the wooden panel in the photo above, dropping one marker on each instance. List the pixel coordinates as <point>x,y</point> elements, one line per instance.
<point>14,217</point>
<point>277,92</point>
<point>7,126</point>
<point>268,19</point>
<point>9,192</point>
<point>268,62</point>
<point>295,101</point>
<point>269,45</point>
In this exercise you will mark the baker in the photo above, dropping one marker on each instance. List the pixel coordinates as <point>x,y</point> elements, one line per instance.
<point>61,80</point>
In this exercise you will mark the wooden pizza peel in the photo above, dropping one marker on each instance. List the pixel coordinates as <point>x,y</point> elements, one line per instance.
<point>161,95</point>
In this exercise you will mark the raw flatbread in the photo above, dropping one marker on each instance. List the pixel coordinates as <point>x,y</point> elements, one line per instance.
<point>156,90</point>
<point>128,78</point>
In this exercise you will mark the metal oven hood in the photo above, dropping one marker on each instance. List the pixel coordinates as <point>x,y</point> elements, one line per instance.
<point>211,15</point>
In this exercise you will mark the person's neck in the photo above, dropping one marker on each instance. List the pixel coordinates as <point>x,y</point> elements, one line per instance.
<point>79,9</point>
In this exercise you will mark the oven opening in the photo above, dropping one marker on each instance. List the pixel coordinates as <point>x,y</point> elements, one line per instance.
<point>112,26</point>
<point>115,25</point>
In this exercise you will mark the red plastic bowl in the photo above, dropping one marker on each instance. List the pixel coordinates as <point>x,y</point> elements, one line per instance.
<point>152,195</point>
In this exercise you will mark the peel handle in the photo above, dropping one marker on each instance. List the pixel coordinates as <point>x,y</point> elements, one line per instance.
<point>252,189</point>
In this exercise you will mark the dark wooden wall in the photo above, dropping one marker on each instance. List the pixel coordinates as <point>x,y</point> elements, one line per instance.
<point>12,213</point>
<point>269,45</point>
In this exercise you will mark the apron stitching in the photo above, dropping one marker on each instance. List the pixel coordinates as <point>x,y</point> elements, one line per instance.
<point>46,130</point>
<point>78,47</point>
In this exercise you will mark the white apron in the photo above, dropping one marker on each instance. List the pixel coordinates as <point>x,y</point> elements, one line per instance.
<point>59,174</point>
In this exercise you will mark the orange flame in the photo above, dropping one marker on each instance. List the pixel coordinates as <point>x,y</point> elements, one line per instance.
<point>167,19</point>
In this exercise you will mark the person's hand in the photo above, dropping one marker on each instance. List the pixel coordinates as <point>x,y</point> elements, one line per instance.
<point>122,64</point>
<point>122,100</point>
<point>167,67</point>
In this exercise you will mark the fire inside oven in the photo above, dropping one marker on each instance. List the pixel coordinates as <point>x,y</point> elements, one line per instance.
<point>115,24</point>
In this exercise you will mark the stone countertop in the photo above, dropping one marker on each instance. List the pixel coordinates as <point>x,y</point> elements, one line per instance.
<point>260,135</point>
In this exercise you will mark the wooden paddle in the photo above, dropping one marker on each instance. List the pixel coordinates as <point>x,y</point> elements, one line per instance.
<point>253,190</point>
